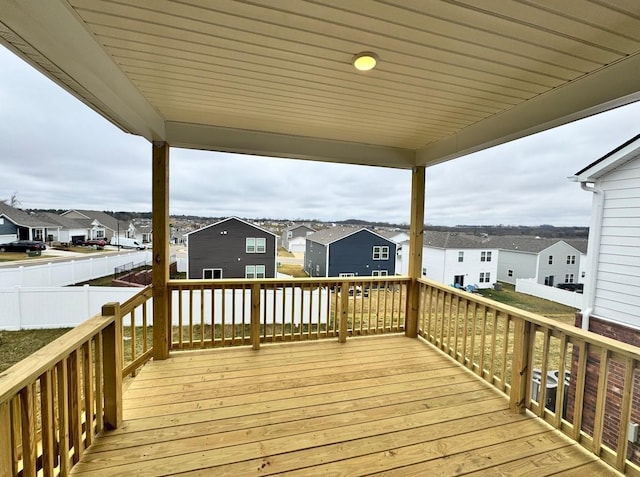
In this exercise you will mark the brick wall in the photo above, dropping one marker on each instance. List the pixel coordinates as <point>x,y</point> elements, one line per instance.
<point>615,382</point>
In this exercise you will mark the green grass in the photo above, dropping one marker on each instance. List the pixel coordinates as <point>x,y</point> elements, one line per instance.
<point>17,345</point>
<point>550,309</point>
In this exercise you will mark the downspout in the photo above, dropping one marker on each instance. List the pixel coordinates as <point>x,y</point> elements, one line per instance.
<point>592,252</point>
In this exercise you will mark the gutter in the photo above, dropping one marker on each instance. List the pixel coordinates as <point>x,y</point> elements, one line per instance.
<point>593,251</point>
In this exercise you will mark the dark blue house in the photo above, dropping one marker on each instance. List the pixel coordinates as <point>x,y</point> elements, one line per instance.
<point>349,251</point>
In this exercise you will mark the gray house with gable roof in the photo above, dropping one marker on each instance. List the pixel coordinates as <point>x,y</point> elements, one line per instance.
<point>16,224</point>
<point>548,261</point>
<point>349,251</point>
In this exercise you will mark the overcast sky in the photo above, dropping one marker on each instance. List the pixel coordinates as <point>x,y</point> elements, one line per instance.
<point>57,153</point>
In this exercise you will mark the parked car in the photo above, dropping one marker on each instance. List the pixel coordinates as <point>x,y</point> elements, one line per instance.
<point>574,287</point>
<point>22,246</point>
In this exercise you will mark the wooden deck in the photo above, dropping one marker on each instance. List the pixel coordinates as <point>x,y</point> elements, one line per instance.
<point>389,405</point>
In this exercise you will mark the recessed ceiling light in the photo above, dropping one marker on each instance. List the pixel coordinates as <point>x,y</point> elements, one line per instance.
<point>365,61</point>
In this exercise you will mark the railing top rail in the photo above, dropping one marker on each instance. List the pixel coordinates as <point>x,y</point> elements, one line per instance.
<point>139,298</point>
<point>275,281</point>
<point>595,339</point>
<point>30,368</point>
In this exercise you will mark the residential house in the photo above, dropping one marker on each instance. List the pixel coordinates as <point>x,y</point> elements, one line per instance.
<point>231,248</point>
<point>612,287</point>
<point>294,237</point>
<point>347,252</point>
<point>548,261</point>
<point>16,224</point>
<point>99,225</point>
<point>455,259</point>
<point>70,229</point>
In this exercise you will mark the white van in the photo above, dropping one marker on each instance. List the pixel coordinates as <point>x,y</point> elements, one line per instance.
<point>127,243</point>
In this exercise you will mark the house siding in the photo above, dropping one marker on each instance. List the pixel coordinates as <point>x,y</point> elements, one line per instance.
<point>617,294</point>
<point>8,231</point>
<point>315,259</point>
<point>559,268</point>
<point>210,248</point>
<point>301,231</point>
<point>354,254</point>
<point>523,265</point>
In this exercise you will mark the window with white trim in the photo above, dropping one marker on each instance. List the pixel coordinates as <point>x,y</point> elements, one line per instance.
<point>379,273</point>
<point>254,271</point>
<point>346,275</point>
<point>485,277</point>
<point>211,273</point>
<point>460,256</point>
<point>256,245</point>
<point>510,273</point>
<point>568,278</point>
<point>550,259</point>
<point>571,259</point>
<point>485,256</point>
<point>380,252</point>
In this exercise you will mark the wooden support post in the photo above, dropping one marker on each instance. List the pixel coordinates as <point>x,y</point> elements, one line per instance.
<point>344,312</point>
<point>160,271</point>
<point>112,367</point>
<point>6,456</point>
<point>520,372</point>
<point>255,316</point>
<point>416,235</point>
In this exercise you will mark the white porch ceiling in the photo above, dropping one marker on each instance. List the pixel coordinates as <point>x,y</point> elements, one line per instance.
<point>274,77</point>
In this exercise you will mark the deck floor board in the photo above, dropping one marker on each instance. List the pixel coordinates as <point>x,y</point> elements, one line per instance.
<point>378,405</point>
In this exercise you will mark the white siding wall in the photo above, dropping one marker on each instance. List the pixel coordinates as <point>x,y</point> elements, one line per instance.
<point>442,265</point>
<point>559,268</point>
<point>523,265</point>
<point>617,294</point>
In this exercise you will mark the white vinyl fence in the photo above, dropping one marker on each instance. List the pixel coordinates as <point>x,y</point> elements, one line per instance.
<point>55,307</point>
<point>531,287</point>
<point>63,273</point>
<point>62,307</point>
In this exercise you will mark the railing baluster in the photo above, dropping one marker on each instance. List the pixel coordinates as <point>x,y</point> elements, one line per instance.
<point>6,446</point>
<point>344,311</point>
<point>580,389</point>
<point>601,399</point>
<point>47,424</point>
<point>202,320</point>
<point>63,417</point>
<point>28,430</point>
<point>625,414</point>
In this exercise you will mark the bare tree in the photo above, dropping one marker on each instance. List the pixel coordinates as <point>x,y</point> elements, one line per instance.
<point>12,201</point>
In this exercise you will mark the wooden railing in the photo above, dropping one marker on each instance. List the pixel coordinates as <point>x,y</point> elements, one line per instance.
<point>54,402</point>
<point>137,331</point>
<point>215,313</point>
<point>578,381</point>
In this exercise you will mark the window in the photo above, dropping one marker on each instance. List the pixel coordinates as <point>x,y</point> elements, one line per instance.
<point>571,259</point>
<point>99,234</point>
<point>212,273</point>
<point>510,273</point>
<point>460,256</point>
<point>37,234</point>
<point>550,259</point>
<point>485,277</point>
<point>346,275</point>
<point>380,253</point>
<point>317,268</point>
<point>568,278</point>
<point>548,281</point>
<point>254,271</point>
<point>289,234</point>
<point>256,245</point>
<point>485,256</point>
<point>379,273</point>
<point>424,272</point>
